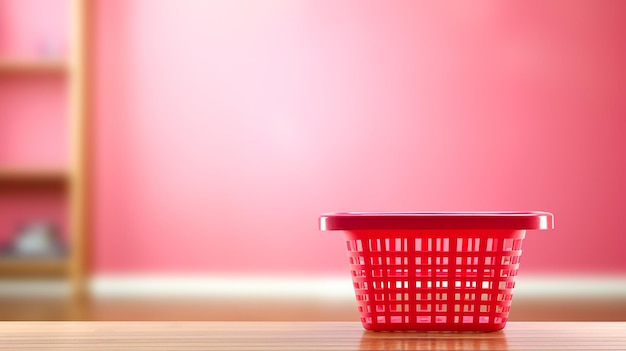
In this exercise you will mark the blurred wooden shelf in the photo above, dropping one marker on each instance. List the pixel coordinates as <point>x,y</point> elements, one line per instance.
<point>72,181</point>
<point>31,66</point>
<point>26,176</point>
<point>25,267</point>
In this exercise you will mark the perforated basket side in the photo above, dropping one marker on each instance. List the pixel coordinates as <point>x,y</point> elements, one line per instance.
<point>459,280</point>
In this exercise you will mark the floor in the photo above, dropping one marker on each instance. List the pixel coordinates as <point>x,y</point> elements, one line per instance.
<point>280,309</point>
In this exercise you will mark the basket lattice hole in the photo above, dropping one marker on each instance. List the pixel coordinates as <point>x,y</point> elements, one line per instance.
<point>467,244</point>
<point>483,319</point>
<point>395,244</point>
<point>441,296</point>
<point>442,244</point>
<point>423,319</point>
<point>441,260</point>
<point>376,261</point>
<point>468,319</point>
<point>507,244</point>
<point>457,297</point>
<point>399,319</point>
<point>380,308</point>
<point>470,297</point>
<point>441,308</point>
<point>457,308</point>
<point>402,297</point>
<point>484,297</point>
<point>498,309</point>
<point>359,273</point>
<point>400,308</point>
<point>468,308</point>
<point>358,245</point>
<point>423,307</point>
<point>374,245</point>
<point>503,285</point>
<point>401,261</point>
<point>484,308</point>
<point>508,273</point>
<point>418,244</point>
<point>490,245</point>
<point>402,284</point>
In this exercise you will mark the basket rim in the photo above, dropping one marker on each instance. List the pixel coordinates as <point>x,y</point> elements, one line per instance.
<point>511,220</point>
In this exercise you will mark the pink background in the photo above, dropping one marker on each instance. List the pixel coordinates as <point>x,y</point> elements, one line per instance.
<point>222,129</point>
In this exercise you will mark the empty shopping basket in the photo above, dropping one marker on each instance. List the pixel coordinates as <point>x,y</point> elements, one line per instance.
<point>434,271</point>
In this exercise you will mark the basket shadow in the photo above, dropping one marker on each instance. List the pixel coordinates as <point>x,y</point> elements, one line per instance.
<point>371,340</point>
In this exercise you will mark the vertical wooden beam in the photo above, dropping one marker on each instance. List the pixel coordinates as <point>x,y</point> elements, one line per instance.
<point>79,131</point>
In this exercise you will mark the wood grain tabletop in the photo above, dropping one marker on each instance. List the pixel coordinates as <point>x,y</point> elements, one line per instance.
<point>301,336</point>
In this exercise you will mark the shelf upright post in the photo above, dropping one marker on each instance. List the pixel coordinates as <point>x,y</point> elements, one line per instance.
<point>79,130</point>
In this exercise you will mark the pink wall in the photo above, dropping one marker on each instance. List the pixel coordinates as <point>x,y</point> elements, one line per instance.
<point>33,120</point>
<point>224,128</point>
<point>32,28</point>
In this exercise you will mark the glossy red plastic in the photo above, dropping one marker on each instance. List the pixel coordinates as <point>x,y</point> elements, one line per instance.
<point>434,271</point>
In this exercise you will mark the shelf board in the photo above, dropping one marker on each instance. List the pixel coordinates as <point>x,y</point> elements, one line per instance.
<point>23,267</point>
<point>16,65</point>
<point>33,176</point>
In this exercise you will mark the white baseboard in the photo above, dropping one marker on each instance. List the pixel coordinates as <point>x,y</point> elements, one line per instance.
<point>221,286</point>
<point>187,286</point>
<point>323,287</point>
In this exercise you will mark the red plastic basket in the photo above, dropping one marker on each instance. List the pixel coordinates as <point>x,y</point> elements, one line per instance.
<point>434,271</point>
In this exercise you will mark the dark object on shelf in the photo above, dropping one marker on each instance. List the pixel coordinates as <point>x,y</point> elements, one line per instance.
<point>38,239</point>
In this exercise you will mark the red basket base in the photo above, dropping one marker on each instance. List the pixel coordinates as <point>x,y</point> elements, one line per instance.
<point>435,280</point>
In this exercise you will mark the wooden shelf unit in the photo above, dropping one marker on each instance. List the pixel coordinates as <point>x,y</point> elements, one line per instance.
<point>26,176</point>
<point>72,177</point>
<point>32,66</point>
<point>33,267</point>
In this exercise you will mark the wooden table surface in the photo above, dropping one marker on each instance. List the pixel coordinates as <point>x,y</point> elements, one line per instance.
<point>300,336</point>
